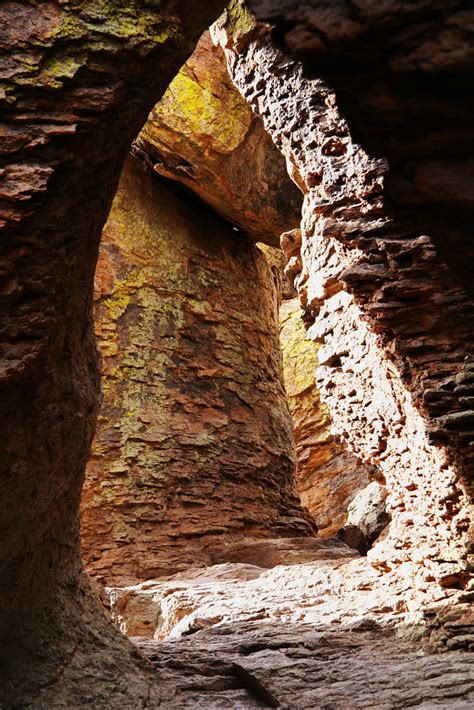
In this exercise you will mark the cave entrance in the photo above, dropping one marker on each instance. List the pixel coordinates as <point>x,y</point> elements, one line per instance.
<point>84,67</point>
<point>195,447</point>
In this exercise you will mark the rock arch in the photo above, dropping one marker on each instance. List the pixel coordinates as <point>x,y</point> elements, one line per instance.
<point>78,84</point>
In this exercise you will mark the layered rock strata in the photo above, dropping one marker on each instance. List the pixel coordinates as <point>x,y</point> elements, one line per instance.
<point>194,448</point>
<point>325,584</point>
<point>328,632</point>
<point>255,664</point>
<point>393,319</point>
<point>78,80</point>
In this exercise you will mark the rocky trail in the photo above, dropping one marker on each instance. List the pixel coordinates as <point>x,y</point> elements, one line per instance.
<point>257,664</point>
<point>328,632</point>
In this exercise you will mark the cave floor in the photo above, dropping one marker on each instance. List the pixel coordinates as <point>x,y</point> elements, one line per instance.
<point>258,664</point>
<point>327,631</point>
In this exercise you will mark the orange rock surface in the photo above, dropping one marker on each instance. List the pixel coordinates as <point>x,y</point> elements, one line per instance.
<point>204,134</point>
<point>194,446</point>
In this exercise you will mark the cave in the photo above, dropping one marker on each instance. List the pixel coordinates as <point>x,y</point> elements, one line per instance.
<point>265,479</point>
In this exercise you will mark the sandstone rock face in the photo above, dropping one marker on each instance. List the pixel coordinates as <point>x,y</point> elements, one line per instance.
<point>394,321</point>
<point>328,476</point>
<point>328,586</point>
<point>194,446</point>
<point>265,585</point>
<point>204,134</point>
<point>78,80</point>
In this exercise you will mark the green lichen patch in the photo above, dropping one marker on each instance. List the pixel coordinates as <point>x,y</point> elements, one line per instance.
<point>85,28</point>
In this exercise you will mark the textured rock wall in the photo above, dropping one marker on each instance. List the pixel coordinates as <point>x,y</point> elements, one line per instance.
<point>77,81</point>
<point>204,134</point>
<point>393,319</point>
<point>328,476</point>
<point>194,446</point>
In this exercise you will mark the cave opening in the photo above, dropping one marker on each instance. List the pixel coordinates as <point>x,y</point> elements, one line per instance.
<point>198,504</point>
<point>211,434</point>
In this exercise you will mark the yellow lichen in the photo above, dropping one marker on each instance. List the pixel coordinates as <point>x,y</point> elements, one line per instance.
<point>89,27</point>
<point>300,358</point>
<point>191,109</point>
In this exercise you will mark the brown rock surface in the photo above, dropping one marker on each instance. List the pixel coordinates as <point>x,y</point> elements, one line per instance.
<point>78,80</point>
<point>194,446</point>
<point>323,584</point>
<point>394,321</point>
<point>204,134</point>
<point>328,476</point>
<point>278,579</point>
<point>333,632</point>
<point>297,666</point>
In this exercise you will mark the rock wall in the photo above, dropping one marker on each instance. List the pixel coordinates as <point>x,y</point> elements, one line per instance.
<point>78,80</point>
<point>328,476</point>
<point>392,317</point>
<point>194,447</point>
<point>204,134</point>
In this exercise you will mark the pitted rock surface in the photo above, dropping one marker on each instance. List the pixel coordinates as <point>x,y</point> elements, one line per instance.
<point>394,321</point>
<point>328,475</point>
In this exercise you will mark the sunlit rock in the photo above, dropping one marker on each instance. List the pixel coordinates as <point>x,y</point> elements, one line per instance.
<point>205,135</point>
<point>328,475</point>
